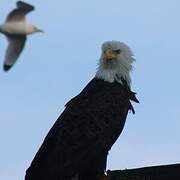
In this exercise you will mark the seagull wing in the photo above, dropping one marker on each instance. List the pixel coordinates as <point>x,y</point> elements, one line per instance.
<point>15,47</point>
<point>19,13</point>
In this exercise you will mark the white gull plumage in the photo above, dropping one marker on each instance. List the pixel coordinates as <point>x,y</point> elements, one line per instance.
<point>16,28</point>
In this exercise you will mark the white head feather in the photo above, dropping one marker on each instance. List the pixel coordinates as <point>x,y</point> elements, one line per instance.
<point>114,70</point>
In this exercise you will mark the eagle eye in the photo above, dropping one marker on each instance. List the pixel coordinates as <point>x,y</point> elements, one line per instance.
<point>118,51</point>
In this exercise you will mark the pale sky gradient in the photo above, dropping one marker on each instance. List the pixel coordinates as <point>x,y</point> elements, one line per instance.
<point>56,65</point>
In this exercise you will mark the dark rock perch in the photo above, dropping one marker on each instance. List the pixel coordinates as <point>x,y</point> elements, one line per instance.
<point>163,172</point>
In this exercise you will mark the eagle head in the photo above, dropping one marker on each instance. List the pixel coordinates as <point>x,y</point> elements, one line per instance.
<point>115,62</point>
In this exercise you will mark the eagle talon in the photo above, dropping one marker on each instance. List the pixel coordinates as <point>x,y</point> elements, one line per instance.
<point>108,172</point>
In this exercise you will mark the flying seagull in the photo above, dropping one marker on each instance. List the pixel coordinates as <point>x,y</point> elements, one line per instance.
<point>16,28</point>
<point>77,145</point>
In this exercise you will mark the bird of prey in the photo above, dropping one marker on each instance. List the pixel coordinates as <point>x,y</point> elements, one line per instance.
<point>77,145</point>
<point>16,28</point>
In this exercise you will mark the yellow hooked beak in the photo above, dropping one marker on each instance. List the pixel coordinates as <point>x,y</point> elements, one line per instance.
<point>109,55</point>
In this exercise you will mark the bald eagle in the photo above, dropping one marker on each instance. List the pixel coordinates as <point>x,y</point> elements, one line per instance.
<point>77,145</point>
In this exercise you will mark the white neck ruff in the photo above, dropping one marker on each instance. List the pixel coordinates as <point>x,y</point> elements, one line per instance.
<point>116,69</point>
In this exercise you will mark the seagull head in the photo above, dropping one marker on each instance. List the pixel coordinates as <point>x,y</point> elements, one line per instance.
<point>36,29</point>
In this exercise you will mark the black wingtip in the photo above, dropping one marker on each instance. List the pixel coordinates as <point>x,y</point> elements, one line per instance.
<point>6,67</point>
<point>19,3</point>
<point>22,4</point>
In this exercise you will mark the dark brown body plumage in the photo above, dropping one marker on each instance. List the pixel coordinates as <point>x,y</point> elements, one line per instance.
<point>80,139</point>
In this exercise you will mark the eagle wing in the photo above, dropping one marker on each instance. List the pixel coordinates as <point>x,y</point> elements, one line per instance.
<point>89,125</point>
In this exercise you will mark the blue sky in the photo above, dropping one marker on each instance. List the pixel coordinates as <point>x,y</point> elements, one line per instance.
<point>56,65</point>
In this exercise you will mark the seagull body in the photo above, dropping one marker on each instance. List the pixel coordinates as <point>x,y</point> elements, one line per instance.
<point>16,28</point>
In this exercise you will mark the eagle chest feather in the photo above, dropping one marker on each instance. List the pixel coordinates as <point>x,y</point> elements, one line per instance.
<point>99,113</point>
<point>84,132</point>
